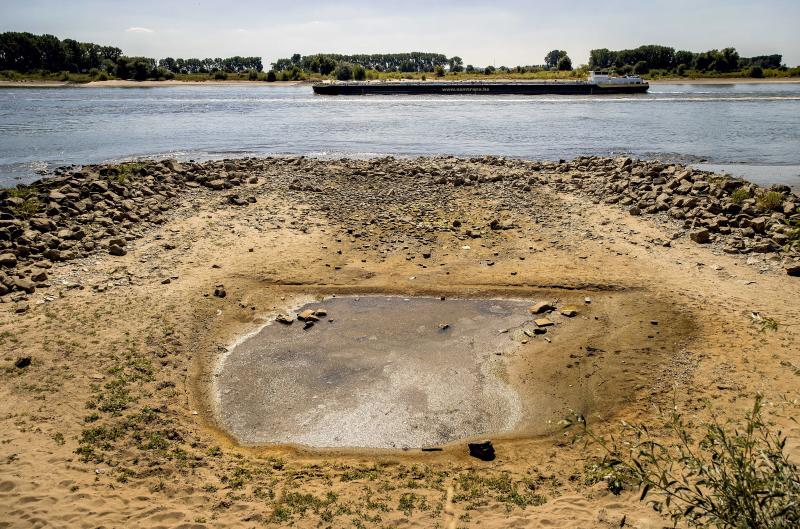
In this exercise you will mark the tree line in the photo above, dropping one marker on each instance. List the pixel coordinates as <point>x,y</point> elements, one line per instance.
<point>27,53</point>
<point>644,59</point>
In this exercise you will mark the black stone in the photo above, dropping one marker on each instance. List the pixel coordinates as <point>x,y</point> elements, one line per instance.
<point>482,450</point>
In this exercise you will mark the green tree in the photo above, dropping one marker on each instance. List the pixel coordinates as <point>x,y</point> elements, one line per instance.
<point>439,71</point>
<point>641,68</point>
<point>456,64</point>
<point>344,71</point>
<point>601,59</point>
<point>564,63</point>
<point>552,58</point>
<point>359,73</point>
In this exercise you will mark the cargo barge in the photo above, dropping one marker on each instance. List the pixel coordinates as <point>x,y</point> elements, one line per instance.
<point>596,84</point>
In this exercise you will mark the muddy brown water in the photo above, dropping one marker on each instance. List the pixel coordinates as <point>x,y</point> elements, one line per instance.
<point>387,372</point>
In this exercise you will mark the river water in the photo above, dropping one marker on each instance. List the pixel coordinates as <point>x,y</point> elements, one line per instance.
<point>751,130</point>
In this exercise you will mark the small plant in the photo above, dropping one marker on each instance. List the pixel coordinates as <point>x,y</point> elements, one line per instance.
<point>271,77</point>
<point>737,475</point>
<point>29,208</point>
<point>765,322</point>
<point>740,195</point>
<point>406,503</point>
<point>770,201</point>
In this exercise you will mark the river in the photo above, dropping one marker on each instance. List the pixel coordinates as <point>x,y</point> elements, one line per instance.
<point>750,130</point>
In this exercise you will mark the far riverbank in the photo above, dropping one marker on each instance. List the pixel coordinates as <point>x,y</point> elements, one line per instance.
<point>119,83</point>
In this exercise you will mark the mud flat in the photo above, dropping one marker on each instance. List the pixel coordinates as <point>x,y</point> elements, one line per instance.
<point>125,289</point>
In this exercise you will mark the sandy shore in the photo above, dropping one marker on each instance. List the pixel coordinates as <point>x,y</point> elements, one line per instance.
<point>142,277</point>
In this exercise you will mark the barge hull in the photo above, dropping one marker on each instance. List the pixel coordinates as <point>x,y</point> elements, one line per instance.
<point>482,89</point>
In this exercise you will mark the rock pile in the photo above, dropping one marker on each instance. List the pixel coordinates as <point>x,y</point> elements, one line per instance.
<point>740,216</point>
<point>95,209</point>
<point>102,208</point>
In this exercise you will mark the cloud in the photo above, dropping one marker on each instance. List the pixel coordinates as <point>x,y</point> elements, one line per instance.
<point>138,30</point>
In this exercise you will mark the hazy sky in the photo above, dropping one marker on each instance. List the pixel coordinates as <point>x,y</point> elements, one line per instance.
<point>502,32</point>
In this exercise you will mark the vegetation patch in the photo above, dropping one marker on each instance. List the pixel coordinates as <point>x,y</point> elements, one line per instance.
<point>724,474</point>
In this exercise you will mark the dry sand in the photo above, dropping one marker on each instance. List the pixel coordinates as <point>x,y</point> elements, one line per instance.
<point>122,358</point>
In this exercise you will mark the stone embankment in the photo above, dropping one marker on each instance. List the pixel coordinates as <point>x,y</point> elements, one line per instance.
<point>102,208</point>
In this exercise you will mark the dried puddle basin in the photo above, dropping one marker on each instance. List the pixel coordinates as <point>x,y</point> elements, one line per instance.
<point>392,372</point>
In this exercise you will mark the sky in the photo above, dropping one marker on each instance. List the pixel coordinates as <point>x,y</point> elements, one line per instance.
<point>482,33</point>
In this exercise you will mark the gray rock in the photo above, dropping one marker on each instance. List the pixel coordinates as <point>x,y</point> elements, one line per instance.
<point>541,308</point>
<point>24,284</point>
<point>39,276</point>
<point>117,250</point>
<point>700,236</point>
<point>41,224</point>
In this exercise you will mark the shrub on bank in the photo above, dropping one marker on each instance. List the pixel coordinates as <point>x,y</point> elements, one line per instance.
<point>359,73</point>
<point>735,475</point>
<point>220,76</point>
<point>344,72</point>
<point>756,71</point>
<point>271,77</point>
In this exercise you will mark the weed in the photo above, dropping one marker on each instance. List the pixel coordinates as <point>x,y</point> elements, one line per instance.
<point>740,195</point>
<point>770,201</point>
<point>736,476</point>
<point>29,208</point>
<point>58,437</point>
<point>407,502</point>
<point>764,322</point>
<point>610,470</point>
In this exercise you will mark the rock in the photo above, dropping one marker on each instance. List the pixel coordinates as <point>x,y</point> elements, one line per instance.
<point>482,450</point>
<point>173,165</point>
<point>216,185</point>
<point>8,259</point>
<point>284,319</point>
<point>98,186</point>
<point>569,311</point>
<point>758,224</point>
<point>117,250</point>
<point>320,313</point>
<point>541,307</point>
<point>635,211</point>
<point>426,254</point>
<point>543,322</point>
<point>22,308</point>
<point>26,285</point>
<point>22,362</point>
<point>53,254</point>
<point>793,270</point>
<point>307,315</point>
<point>236,200</point>
<point>39,276</point>
<point>219,291</point>
<point>700,236</point>
<point>42,224</point>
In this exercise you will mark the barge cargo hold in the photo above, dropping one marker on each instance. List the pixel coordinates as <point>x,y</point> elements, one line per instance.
<point>597,84</point>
